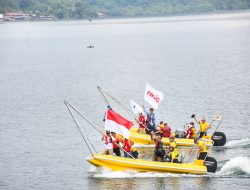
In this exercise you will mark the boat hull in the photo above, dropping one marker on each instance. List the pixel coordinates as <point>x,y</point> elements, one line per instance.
<point>120,163</point>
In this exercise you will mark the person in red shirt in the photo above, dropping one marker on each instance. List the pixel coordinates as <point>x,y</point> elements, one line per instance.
<point>142,123</point>
<point>116,141</point>
<point>191,131</point>
<point>127,146</point>
<point>166,130</point>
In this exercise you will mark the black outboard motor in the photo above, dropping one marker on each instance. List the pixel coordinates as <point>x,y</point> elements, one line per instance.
<point>219,139</point>
<point>179,133</point>
<point>211,164</point>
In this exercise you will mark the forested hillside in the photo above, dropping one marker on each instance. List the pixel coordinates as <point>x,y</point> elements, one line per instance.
<point>63,9</point>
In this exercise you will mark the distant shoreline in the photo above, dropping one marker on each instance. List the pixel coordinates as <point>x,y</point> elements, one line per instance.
<point>135,17</point>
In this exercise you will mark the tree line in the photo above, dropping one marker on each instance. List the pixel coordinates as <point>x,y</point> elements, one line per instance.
<point>65,9</point>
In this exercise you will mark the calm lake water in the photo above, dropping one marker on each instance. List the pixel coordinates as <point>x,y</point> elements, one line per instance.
<point>200,63</point>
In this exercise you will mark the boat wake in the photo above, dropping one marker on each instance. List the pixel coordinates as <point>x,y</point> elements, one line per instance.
<point>238,166</point>
<point>238,143</point>
<point>128,174</point>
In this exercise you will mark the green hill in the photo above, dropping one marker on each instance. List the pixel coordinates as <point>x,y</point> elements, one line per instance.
<point>63,9</point>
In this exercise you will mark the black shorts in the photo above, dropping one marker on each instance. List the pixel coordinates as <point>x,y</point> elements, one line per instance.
<point>202,134</point>
<point>117,151</point>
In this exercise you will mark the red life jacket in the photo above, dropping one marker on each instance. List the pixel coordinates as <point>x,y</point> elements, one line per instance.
<point>166,131</point>
<point>190,133</point>
<point>108,139</point>
<point>142,121</point>
<point>127,144</point>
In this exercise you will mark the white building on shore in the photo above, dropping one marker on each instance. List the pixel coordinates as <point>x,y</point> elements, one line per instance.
<point>1,18</point>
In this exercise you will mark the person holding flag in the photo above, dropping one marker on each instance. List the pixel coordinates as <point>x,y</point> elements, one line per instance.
<point>151,120</point>
<point>108,143</point>
<point>153,97</point>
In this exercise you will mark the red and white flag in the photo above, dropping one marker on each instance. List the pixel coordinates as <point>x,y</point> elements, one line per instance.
<point>153,96</point>
<point>118,124</point>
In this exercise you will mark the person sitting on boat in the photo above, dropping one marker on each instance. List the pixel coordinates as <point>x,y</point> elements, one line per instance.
<point>172,152</point>
<point>159,151</point>
<point>166,130</point>
<point>204,126</point>
<point>134,152</point>
<point>142,123</point>
<point>108,143</point>
<point>191,131</point>
<point>127,147</point>
<point>151,121</point>
<point>202,149</point>
<point>116,141</point>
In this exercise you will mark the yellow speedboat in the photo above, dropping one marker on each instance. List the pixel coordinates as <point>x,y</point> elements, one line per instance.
<point>145,139</point>
<point>120,163</point>
<point>117,163</point>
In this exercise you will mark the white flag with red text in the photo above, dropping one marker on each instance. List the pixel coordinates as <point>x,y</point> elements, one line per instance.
<point>153,96</point>
<point>118,124</point>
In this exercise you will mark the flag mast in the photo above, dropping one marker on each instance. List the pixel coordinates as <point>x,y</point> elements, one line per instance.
<point>119,103</point>
<point>84,136</point>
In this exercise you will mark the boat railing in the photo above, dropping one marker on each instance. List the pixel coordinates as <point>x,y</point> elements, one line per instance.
<point>218,120</point>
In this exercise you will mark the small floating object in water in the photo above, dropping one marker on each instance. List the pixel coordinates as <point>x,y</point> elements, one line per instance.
<point>90,46</point>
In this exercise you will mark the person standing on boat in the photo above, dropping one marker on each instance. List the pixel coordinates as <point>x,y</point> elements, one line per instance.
<point>202,149</point>
<point>159,151</point>
<point>166,130</point>
<point>142,123</point>
<point>127,146</point>
<point>191,131</point>
<point>151,120</point>
<point>204,126</point>
<point>116,141</point>
<point>108,143</point>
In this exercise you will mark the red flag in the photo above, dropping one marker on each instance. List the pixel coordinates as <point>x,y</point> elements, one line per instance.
<point>118,124</point>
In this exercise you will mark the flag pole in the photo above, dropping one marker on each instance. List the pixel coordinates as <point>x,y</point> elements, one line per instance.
<point>119,103</point>
<point>104,97</point>
<point>93,125</point>
<point>84,136</point>
<point>85,118</point>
